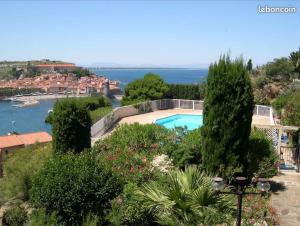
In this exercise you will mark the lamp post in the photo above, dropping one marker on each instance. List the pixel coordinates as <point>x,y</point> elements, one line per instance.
<point>263,186</point>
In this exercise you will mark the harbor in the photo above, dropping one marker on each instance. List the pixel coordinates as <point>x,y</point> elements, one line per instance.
<point>31,116</point>
<point>29,100</point>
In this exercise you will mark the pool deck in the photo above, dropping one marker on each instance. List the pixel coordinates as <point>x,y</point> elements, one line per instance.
<point>149,118</point>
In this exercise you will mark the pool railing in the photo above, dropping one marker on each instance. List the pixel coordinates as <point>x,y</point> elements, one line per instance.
<point>109,120</point>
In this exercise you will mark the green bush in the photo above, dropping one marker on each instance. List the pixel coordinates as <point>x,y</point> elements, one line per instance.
<point>19,169</point>
<point>39,217</point>
<point>262,159</point>
<point>280,102</point>
<point>92,220</point>
<point>130,149</point>
<point>188,150</point>
<point>15,216</point>
<point>74,185</point>
<point>6,92</point>
<point>81,72</point>
<point>182,91</point>
<point>290,104</point>
<point>98,106</point>
<point>100,113</point>
<point>127,209</point>
<point>92,103</point>
<point>71,126</point>
<point>291,114</point>
<point>282,67</point>
<point>151,87</point>
<point>228,108</point>
<point>295,58</point>
<point>261,81</point>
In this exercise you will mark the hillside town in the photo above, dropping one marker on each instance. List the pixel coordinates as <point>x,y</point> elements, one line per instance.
<point>58,79</point>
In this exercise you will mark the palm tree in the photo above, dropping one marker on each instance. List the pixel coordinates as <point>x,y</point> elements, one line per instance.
<point>187,199</point>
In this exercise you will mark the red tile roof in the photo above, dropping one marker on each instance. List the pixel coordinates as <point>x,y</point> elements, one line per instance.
<point>10,141</point>
<point>24,139</point>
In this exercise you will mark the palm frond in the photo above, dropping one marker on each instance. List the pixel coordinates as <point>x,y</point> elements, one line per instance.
<point>189,199</point>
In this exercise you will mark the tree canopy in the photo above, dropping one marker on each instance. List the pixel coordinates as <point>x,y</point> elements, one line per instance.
<point>282,67</point>
<point>249,65</point>
<point>74,185</point>
<point>71,126</point>
<point>289,104</point>
<point>151,87</point>
<point>186,91</point>
<point>295,58</point>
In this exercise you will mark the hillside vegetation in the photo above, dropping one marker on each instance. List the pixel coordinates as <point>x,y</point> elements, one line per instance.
<point>14,69</point>
<point>278,77</point>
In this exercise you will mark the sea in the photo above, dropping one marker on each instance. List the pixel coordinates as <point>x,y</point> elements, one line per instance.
<point>32,118</point>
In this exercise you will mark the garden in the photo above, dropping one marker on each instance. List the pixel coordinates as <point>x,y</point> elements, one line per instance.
<point>146,174</point>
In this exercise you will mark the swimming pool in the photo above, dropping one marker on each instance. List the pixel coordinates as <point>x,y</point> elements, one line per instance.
<point>181,120</point>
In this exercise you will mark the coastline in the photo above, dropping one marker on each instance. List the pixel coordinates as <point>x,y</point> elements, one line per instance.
<point>27,101</point>
<point>48,97</point>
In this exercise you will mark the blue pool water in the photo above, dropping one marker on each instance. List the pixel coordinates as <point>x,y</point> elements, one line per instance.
<point>181,120</point>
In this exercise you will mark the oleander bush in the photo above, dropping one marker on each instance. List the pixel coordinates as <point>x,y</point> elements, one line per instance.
<point>130,149</point>
<point>73,186</point>
<point>257,210</point>
<point>19,169</point>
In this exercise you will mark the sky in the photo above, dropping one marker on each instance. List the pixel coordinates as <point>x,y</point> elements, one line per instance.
<point>146,33</point>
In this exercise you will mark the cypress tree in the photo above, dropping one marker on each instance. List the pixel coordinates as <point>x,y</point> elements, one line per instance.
<point>228,108</point>
<point>71,126</point>
<point>249,65</point>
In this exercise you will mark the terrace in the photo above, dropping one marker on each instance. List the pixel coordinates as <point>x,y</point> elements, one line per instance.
<point>150,111</point>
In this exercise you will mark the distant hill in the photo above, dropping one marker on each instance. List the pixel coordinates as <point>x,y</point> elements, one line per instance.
<point>14,69</point>
<point>30,62</point>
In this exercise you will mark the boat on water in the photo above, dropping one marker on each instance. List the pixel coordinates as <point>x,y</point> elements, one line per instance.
<point>26,104</point>
<point>17,105</point>
<point>5,99</point>
<point>13,99</point>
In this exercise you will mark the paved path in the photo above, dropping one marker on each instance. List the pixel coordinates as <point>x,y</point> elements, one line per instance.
<point>286,200</point>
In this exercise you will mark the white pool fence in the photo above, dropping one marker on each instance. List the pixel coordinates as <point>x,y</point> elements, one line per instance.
<point>108,121</point>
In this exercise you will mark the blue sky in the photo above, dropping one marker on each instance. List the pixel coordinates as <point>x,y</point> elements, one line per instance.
<point>173,33</point>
